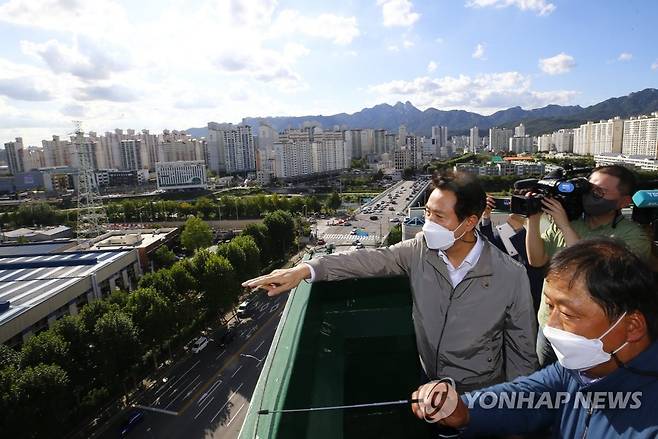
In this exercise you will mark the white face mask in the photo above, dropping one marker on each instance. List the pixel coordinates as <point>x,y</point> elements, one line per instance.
<point>438,237</point>
<point>577,352</point>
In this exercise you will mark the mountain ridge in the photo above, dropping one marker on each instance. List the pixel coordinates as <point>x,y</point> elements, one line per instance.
<point>538,120</point>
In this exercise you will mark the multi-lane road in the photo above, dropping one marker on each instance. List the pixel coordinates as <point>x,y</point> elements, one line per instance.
<point>206,395</point>
<point>373,219</point>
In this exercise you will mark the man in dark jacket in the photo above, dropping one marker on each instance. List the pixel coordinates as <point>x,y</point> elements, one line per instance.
<point>603,326</point>
<point>516,222</point>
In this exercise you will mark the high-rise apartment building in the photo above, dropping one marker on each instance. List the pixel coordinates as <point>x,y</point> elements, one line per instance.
<point>499,138</point>
<point>474,142</point>
<point>595,138</point>
<point>641,136</point>
<point>131,157</point>
<point>15,154</point>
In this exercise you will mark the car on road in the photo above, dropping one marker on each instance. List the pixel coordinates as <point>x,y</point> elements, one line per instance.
<point>391,208</point>
<point>321,242</point>
<point>394,220</point>
<point>374,217</point>
<point>356,242</point>
<point>347,223</point>
<point>360,246</point>
<point>130,422</point>
<point>199,344</point>
<point>246,309</point>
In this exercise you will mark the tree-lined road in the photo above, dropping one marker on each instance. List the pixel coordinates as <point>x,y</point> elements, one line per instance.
<point>207,394</point>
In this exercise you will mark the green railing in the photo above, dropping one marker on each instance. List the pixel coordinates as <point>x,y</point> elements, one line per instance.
<point>338,343</point>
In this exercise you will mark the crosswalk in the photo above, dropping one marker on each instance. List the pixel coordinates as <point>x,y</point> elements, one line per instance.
<point>340,237</point>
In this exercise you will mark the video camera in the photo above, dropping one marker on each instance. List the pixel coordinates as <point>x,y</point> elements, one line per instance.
<point>645,206</point>
<point>561,184</point>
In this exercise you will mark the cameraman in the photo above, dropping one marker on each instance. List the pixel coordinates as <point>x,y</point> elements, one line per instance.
<point>612,189</point>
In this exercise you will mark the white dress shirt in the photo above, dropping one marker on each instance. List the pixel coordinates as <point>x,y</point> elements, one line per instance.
<point>458,274</point>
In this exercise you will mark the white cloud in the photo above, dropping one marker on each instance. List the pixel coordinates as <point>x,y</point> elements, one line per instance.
<point>86,60</point>
<point>483,93</point>
<point>432,66</point>
<point>625,56</point>
<point>340,30</point>
<point>539,6</point>
<point>398,13</point>
<point>478,53</point>
<point>23,89</point>
<point>407,44</point>
<point>558,64</point>
<point>82,16</point>
<point>654,66</point>
<point>113,93</point>
<point>393,48</point>
<point>269,66</point>
<point>439,40</point>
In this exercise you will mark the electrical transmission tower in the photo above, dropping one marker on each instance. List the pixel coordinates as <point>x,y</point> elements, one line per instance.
<point>92,219</point>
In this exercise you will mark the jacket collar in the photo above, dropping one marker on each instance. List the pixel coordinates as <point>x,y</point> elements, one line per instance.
<point>482,268</point>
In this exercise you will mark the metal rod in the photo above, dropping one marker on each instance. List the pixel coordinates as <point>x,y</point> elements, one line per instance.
<point>340,407</point>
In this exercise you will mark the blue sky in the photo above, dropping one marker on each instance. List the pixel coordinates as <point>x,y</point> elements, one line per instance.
<point>177,64</point>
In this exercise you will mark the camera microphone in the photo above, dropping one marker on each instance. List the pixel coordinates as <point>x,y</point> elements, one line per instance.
<point>646,198</point>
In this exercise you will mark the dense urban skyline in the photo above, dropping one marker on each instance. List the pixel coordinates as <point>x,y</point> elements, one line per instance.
<point>115,64</point>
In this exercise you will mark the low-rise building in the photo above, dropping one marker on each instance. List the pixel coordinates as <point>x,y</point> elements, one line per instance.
<point>37,291</point>
<point>181,175</point>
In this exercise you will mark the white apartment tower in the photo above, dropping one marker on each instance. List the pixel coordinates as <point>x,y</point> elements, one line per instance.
<point>598,138</point>
<point>474,139</point>
<point>641,136</point>
<point>499,138</point>
<point>15,154</point>
<point>131,157</point>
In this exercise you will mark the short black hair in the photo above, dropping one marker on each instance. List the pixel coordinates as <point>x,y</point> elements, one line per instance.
<point>471,198</point>
<point>615,278</point>
<point>627,180</point>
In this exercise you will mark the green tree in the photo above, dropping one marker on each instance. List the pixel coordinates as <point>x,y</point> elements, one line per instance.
<point>161,281</point>
<point>93,311</point>
<point>394,235</point>
<point>184,281</point>
<point>260,234</point>
<point>333,202</point>
<point>163,257</point>
<point>204,207</point>
<point>281,231</point>
<point>43,401</point>
<point>118,346</point>
<point>8,357</point>
<point>153,313</point>
<point>79,364</point>
<point>197,234</point>
<point>40,214</point>
<point>252,255</point>
<point>46,347</point>
<point>236,256</point>
<point>218,284</point>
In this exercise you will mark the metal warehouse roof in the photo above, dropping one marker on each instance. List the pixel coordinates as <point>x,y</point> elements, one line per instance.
<point>26,281</point>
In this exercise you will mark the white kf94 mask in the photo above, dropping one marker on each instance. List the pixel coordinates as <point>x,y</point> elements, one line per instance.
<point>577,352</point>
<point>438,237</point>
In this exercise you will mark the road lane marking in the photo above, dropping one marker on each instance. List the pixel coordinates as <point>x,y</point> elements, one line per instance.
<point>227,401</point>
<point>204,407</point>
<point>212,389</point>
<point>258,347</point>
<point>189,392</point>
<point>233,357</point>
<point>181,377</point>
<point>181,392</point>
<point>275,307</point>
<point>236,371</point>
<point>236,415</point>
<point>157,410</point>
<point>220,354</point>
